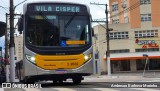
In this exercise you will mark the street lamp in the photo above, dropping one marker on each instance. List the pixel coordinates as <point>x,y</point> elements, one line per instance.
<point>19,4</point>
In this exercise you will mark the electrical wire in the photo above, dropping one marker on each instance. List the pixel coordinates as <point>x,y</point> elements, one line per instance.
<point>4,3</point>
<point>132,7</point>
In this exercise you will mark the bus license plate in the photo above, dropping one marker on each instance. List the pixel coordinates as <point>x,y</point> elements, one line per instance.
<point>61,71</point>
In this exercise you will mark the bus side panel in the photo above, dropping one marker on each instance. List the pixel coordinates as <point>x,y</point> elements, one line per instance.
<point>29,68</point>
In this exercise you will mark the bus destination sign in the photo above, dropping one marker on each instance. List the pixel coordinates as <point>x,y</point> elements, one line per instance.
<point>56,8</point>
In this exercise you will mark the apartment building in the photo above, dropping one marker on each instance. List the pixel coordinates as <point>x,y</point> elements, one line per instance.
<point>135,36</point>
<point>18,48</point>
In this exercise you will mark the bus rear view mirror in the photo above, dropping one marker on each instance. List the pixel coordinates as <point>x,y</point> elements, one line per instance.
<point>20,25</point>
<point>92,32</point>
<point>2,28</point>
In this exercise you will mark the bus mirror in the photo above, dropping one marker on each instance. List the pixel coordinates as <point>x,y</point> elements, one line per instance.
<point>92,32</point>
<point>2,28</point>
<point>20,25</point>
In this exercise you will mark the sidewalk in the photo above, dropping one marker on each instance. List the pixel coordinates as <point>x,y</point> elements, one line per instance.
<point>126,77</point>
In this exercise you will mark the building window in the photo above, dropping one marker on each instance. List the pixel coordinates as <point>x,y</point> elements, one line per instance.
<point>118,35</point>
<point>116,21</point>
<point>126,20</point>
<point>145,2</point>
<point>146,17</point>
<point>147,50</point>
<point>115,7</point>
<point>120,51</point>
<point>146,34</point>
<point>124,4</point>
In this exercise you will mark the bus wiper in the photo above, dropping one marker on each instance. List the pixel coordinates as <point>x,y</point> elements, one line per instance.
<point>70,20</point>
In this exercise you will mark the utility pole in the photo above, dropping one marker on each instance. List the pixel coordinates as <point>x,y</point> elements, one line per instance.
<point>107,37</point>
<point>12,44</point>
<point>108,48</point>
<point>6,50</point>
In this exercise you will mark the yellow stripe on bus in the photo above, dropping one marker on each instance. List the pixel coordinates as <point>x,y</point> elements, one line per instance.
<point>52,62</point>
<point>73,42</point>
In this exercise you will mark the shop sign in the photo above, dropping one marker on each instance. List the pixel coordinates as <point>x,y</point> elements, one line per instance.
<point>147,43</point>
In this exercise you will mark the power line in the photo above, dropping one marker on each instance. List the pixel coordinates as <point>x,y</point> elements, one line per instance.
<point>107,38</point>
<point>4,3</point>
<point>5,8</point>
<point>137,4</point>
<point>132,7</point>
<point>104,40</point>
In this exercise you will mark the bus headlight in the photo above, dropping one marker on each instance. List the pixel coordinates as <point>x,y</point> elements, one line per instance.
<point>30,58</point>
<point>88,57</point>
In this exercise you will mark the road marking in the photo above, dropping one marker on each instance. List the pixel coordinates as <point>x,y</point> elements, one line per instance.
<point>31,89</point>
<point>144,89</point>
<point>63,89</point>
<point>156,80</point>
<point>105,89</point>
<point>1,89</point>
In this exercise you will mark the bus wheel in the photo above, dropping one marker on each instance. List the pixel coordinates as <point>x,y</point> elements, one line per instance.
<point>60,81</point>
<point>76,80</point>
<point>54,81</point>
<point>28,81</point>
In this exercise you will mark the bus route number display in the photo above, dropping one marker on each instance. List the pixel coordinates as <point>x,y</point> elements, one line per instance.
<point>56,8</point>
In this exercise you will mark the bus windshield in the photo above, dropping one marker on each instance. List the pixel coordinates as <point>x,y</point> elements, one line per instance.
<point>53,30</point>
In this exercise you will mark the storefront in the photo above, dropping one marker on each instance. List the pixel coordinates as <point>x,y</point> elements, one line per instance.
<point>121,65</point>
<point>152,64</point>
<point>135,61</point>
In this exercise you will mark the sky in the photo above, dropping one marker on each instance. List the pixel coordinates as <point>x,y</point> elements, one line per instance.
<point>97,12</point>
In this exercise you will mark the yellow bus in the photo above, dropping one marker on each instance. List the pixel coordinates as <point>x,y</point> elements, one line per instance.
<point>57,42</point>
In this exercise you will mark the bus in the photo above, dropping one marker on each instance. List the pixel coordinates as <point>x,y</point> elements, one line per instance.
<point>57,42</point>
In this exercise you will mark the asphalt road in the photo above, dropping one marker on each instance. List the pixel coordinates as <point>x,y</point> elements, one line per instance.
<point>119,82</point>
<point>86,86</point>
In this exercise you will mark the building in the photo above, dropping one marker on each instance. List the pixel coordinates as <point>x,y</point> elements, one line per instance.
<point>135,35</point>
<point>18,48</point>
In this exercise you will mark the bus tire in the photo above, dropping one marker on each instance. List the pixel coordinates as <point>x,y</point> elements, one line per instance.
<point>28,81</point>
<point>76,80</point>
<point>60,81</point>
<point>55,81</point>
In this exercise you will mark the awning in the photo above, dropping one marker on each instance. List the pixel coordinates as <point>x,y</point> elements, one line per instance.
<point>133,56</point>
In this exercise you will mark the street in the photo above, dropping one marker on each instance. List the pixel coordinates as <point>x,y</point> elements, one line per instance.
<point>118,82</point>
<point>86,86</point>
